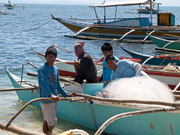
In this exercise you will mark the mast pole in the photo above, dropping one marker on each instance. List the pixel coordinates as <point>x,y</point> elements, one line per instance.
<point>104,14</point>
<point>151,10</point>
<point>96,15</point>
<point>115,13</point>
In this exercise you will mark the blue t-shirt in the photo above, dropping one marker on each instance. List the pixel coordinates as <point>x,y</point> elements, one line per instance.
<point>124,69</point>
<point>48,79</point>
<point>106,71</point>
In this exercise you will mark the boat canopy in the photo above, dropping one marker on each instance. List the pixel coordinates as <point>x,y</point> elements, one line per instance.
<point>123,3</point>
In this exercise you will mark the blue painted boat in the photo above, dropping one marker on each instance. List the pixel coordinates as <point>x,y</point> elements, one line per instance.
<point>157,59</point>
<point>93,114</point>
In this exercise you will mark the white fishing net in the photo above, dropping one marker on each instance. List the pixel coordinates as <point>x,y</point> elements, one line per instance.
<point>138,88</point>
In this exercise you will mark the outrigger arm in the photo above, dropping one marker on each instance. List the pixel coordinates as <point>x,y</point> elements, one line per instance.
<point>126,34</point>
<point>80,31</point>
<point>168,44</point>
<point>148,34</point>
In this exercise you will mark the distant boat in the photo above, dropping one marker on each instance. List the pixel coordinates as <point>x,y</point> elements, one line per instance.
<point>144,9</point>
<point>9,5</point>
<point>166,44</point>
<point>119,29</point>
<point>4,12</point>
<point>147,10</point>
<point>157,59</point>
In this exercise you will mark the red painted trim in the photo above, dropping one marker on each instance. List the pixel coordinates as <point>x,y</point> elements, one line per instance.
<point>173,86</point>
<point>67,73</point>
<point>167,57</point>
<point>132,59</point>
<point>159,73</point>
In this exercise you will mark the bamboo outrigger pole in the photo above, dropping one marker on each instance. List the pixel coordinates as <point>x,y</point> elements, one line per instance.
<point>128,114</point>
<point>18,130</point>
<point>17,89</point>
<point>69,51</point>
<point>30,102</point>
<point>110,100</point>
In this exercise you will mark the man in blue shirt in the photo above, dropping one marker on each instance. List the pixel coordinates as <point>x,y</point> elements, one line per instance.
<point>48,79</point>
<point>107,49</point>
<point>124,68</point>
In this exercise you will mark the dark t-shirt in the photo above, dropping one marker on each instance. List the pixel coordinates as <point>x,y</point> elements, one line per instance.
<point>87,70</point>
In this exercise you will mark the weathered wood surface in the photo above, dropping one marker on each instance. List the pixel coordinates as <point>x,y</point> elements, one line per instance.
<point>17,89</point>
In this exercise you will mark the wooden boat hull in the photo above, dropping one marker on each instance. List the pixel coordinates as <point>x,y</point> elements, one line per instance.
<point>163,43</point>
<point>167,77</point>
<point>153,61</point>
<point>93,115</point>
<point>113,31</point>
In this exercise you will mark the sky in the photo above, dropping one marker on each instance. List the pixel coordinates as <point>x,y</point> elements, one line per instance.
<point>83,2</point>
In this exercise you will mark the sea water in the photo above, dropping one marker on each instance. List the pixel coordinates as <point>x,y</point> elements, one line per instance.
<point>32,27</point>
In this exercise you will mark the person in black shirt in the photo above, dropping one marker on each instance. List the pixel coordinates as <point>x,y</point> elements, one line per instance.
<point>85,69</point>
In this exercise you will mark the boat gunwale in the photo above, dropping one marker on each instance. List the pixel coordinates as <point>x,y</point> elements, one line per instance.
<point>134,104</point>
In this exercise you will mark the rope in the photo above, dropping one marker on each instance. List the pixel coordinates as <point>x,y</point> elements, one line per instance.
<point>38,26</point>
<point>70,51</point>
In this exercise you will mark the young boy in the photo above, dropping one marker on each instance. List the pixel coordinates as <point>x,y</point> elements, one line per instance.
<point>107,49</point>
<point>124,68</point>
<point>48,79</point>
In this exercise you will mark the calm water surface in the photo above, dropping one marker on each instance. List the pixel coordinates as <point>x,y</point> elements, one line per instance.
<point>33,27</point>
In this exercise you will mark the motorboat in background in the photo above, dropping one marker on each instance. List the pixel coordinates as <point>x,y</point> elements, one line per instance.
<point>122,28</point>
<point>147,10</point>
<point>9,5</point>
<point>144,9</point>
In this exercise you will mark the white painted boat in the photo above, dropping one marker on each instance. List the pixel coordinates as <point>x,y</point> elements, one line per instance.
<point>170,78</point>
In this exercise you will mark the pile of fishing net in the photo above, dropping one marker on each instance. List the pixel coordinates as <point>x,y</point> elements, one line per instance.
<point>137,88</point>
